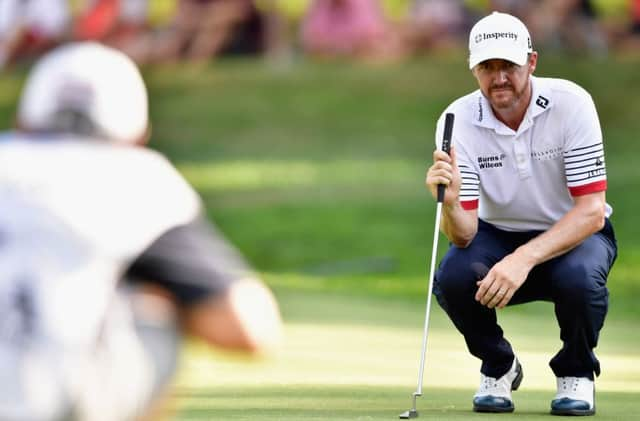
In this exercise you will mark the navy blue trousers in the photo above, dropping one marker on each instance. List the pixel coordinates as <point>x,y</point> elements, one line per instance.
<point>575,282</point>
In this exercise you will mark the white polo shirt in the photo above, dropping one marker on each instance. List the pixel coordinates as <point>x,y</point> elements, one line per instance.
<point>526,179</point>
<point>75,213</point>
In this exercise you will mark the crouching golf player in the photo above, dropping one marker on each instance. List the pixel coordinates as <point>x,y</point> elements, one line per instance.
<point>526,215</point>
<point>84,207</point>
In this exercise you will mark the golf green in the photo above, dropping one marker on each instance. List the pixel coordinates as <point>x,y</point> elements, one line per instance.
<point>361,362</point>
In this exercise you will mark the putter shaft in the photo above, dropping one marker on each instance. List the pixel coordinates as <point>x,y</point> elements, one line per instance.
<point>446,146</point>
<point>413,413</point>
<point>425,336</point>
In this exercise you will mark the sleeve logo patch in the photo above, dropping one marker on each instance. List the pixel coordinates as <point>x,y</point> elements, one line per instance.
<point>542,102</point>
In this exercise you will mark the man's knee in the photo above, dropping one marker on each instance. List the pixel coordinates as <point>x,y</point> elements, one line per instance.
<point>457,275</point>
<point>579,282</point>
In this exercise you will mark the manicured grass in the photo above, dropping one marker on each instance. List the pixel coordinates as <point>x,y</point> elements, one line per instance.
<point>372,403</point>
<point>354,357</point>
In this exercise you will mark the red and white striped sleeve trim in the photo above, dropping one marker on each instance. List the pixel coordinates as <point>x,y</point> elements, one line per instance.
<point>595,187</point>
<point>585,169</point>
<point>469,188</point>
<point>469,204</point>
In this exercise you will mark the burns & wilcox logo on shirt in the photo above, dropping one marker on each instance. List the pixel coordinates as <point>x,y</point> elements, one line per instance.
<point>491,161</point>
<point>495,35</point>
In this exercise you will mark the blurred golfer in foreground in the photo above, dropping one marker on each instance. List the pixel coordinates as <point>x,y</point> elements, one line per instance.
<point>85,206</point>
<point>525,212</point>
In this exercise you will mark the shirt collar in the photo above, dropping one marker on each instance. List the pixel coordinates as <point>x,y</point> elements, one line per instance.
<point>541,101</point>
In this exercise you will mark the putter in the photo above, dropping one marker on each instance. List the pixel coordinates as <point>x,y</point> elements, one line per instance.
<point>446,145</point>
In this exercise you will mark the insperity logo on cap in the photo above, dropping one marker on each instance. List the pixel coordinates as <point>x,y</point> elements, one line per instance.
<point>499,36</point>
<point>496,35</point>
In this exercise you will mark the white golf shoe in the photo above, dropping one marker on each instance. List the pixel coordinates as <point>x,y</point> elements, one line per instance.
<point>575,396</point>
<point>494,395</point>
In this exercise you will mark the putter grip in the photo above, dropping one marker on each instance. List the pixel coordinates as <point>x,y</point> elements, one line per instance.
<point>446,147</point>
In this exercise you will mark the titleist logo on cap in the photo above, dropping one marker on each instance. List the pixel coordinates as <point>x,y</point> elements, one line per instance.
<point>496,35</point>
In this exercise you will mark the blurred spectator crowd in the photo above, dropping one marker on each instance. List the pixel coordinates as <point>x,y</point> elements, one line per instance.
<point>153,31</point>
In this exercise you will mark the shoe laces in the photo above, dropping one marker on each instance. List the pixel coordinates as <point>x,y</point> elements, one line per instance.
<point>494,387</point>
<point>576,388</point>
<point>488,383</point>
<point>569,384</point>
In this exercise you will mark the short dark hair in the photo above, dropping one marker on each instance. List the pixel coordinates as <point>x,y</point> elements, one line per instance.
<point>72,121</point>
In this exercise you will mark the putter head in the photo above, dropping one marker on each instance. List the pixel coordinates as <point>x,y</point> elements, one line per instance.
<point>412,413</point>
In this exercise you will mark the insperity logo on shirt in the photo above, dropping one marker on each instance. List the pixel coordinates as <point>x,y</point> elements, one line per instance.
<point>495,35</point>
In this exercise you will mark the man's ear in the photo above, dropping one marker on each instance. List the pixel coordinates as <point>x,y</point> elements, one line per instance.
<point>144,137</point>
<point>533,62</point>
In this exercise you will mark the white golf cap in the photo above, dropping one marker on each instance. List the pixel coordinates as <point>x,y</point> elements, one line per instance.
<point>500,36</point>
<point>89,79</point>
